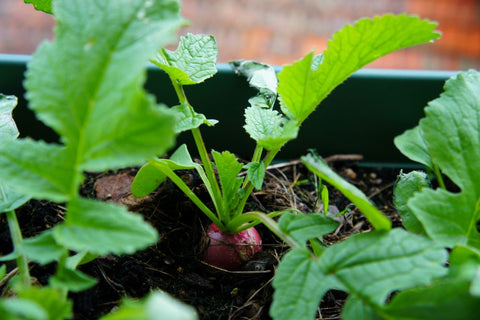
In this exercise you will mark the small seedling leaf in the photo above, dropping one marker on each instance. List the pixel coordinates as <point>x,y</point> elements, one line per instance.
<point>157,306</point>
<point>147,179</point>
<point>103,228</point>
<point>52,301</point>
<point>256,173</point>
<point>193,62</point>
<point>321,169</point>
<point>268,127</point>
<point>406,186</point>
<point>259,76</point>
<point>228,169</point>
<point>303,85</point>
<point>303,227</point>
<point>42,248</point>
<point>71,280</point>
<point>16,308</point>
<point>188,119</point>
<point>412,145</point>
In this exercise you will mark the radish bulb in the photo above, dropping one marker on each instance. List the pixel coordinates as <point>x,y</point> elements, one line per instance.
<point>230,251</point>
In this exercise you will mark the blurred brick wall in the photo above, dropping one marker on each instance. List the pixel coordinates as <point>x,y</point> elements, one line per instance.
<point>280,31</point>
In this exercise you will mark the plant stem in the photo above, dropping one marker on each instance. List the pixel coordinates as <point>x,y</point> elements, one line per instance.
<point>272,225</point>
<point>439,176</point>
<point>202,151</point>
<point>192,196</point>
<point>244,221</point>
<point>249,186</point>
<point>16,235</point>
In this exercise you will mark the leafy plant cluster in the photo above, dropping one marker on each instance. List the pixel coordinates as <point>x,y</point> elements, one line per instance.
<point>87,85</point>
<point>397,273</point>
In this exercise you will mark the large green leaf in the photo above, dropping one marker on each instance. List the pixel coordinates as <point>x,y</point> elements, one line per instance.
<point>299,285</point>
<point>41,170</point>
<point>193,62</point>
<point>103,228</point>
<point>303,85</point>
<point>87,84</point>
<point>449,297</point>
<point>451,130</point>
<point>321,169</point>
<point>367,266</point>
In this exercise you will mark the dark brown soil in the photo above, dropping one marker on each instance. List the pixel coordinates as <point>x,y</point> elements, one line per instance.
<point>174,263</point>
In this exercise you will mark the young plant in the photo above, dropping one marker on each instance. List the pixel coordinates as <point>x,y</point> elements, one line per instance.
<point>410,263</point>
<point>87,85</point>
<point>299,87</point>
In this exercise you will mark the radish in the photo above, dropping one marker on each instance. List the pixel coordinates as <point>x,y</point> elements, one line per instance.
<point>230,251</point>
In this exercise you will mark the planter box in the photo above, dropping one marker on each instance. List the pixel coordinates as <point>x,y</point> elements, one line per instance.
<point>362,115</point>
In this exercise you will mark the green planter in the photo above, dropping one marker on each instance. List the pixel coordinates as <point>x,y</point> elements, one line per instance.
<point>361,116</point>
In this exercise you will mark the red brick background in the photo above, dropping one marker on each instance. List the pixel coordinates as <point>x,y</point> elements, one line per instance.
<point>280,31</point>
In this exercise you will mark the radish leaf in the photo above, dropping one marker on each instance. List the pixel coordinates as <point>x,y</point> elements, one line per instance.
<point>450,130</point>
<point>321,169</point>
<point>303,85</point>
<point>367,266</point>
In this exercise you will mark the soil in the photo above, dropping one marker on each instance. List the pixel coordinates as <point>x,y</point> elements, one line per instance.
<point>174,263</point>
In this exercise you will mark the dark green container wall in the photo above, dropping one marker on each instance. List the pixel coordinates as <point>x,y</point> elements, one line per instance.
<point>361,116</point>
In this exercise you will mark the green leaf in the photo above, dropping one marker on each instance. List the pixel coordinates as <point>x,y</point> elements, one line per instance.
<point>147,179</point>
<point>157,306</point>
<point>451,132</point>
<point>255,173</point>
<point>71,280</point>
<point>259,76</point>
<point>16,308</point>
<point>321,169</point>
<point>405,188</point>
<point>193,62</point>
<point>88,84</point>
<point>42,248</point>
<point>9,199</point>
<point>303,85</point>
<point>299,285</point>
<point>228,169</point>
<point>357,309</point>
<point>188,119</point>
<point>268,127</point>
<point>103,228</point>
<point>53,302</point>
<point>8,128</point>
<point>412,145</point>
<point>43,171</point>
<point>41,5</point>
<point>367,266</point>
<point>303,227</point>
<point>449,297</point>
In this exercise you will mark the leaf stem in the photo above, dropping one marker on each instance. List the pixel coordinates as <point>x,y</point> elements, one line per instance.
<point>16,235</point>
<point>191,195</point>
<point>202,151</point>
<point>272,225</point>
<point>439,176</point>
